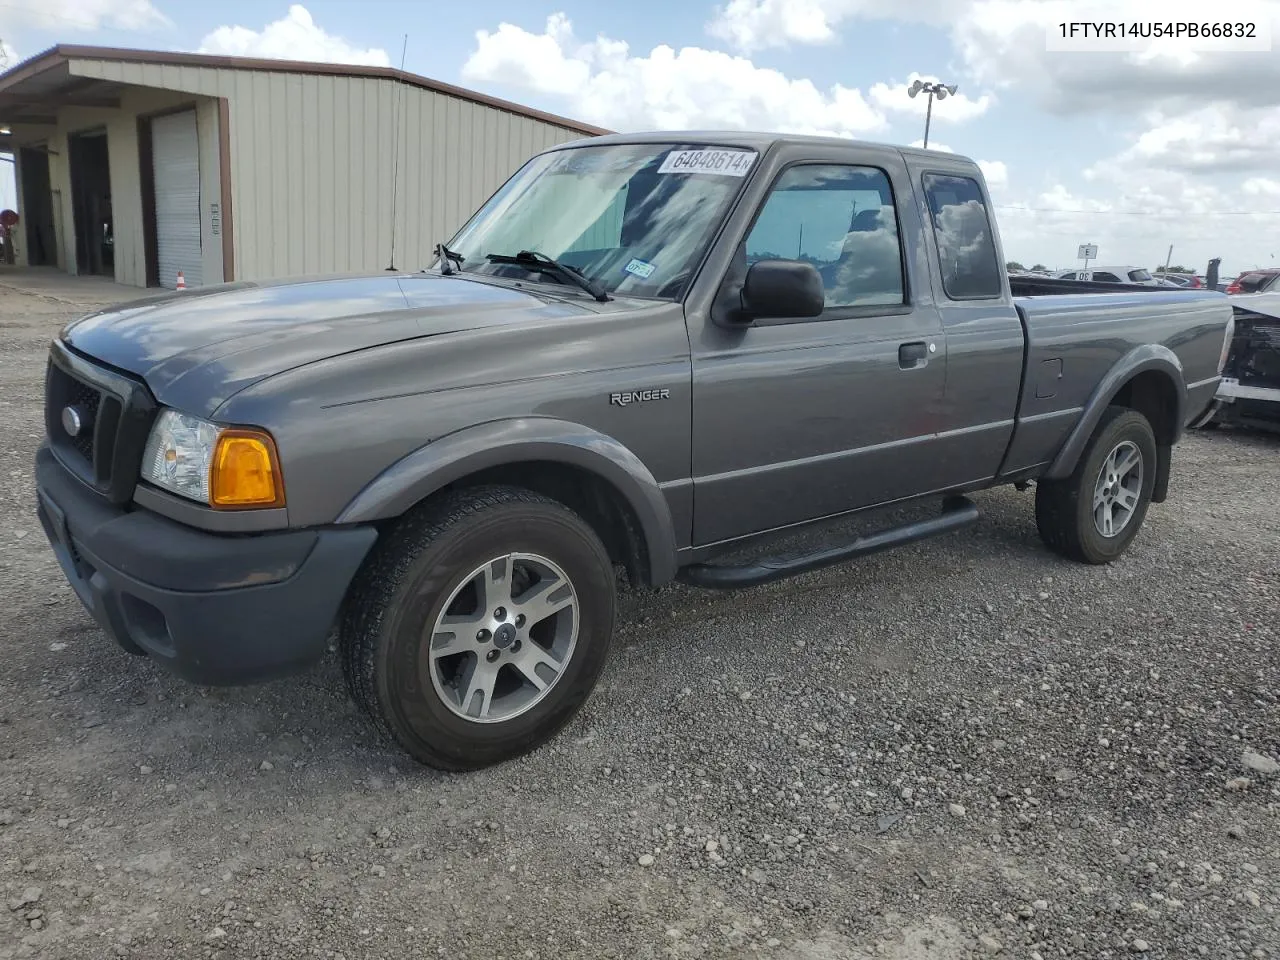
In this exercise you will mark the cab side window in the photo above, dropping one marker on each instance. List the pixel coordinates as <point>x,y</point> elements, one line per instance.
<point>966,243</point>
<point>842,220</point>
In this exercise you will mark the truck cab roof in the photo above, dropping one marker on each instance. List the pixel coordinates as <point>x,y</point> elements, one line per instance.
<point>759,140</point>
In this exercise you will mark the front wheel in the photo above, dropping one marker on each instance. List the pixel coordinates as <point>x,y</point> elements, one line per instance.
<point>480,627</point>
<point>1093,515</point>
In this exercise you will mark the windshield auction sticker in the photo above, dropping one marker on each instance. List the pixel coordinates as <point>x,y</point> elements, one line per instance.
<point>727,163</point>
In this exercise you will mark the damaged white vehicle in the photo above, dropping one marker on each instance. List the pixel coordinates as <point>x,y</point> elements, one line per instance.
<point>1249,394</point>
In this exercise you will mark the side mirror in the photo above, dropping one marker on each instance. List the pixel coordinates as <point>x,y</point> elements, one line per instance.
<point>783,289</point>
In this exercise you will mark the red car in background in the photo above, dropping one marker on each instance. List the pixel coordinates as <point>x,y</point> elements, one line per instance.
<point>1255,281</point>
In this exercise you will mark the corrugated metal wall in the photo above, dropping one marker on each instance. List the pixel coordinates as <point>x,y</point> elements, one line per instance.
<point>313,157</point>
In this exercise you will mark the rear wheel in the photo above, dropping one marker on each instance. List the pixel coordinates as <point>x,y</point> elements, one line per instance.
<point>1093,515</point>
<point>480,626</point>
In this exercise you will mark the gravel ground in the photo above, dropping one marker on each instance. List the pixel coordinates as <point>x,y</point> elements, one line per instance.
<point>964,748</point>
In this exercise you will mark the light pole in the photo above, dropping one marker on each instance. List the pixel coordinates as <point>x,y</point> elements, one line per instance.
<point>934,89</point>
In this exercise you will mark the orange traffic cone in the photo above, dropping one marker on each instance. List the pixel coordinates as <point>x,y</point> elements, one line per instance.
<point>182,283</point>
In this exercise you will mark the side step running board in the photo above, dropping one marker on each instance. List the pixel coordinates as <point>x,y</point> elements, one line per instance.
<point>957,513</point>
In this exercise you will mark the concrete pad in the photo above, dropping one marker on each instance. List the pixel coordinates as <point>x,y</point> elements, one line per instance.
<point>49,283</point>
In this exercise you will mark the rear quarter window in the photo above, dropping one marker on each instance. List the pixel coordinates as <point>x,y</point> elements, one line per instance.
<point>966,243</point>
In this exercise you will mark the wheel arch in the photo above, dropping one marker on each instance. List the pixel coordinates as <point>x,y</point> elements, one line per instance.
<point>588,471</point>
<point>1148,379</point>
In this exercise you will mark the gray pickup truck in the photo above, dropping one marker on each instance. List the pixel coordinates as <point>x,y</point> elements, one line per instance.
<point>642,355</point>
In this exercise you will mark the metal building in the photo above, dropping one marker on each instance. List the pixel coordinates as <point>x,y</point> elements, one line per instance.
<point>139,164</point>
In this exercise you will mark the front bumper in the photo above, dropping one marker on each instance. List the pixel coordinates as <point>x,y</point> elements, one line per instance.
<point>215,610</point>
<point>1245,405</point>
<point>1230,390</point>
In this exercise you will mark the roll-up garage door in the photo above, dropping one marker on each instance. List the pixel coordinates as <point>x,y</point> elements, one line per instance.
<point>175,159</point>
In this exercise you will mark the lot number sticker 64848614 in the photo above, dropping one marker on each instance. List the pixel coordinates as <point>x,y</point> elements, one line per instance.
<point>728,163</point>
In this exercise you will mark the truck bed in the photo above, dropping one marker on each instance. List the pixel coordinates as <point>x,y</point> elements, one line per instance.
<point>1073,340</point>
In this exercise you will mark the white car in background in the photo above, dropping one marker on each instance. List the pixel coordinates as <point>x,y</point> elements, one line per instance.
<point>1121,274</point>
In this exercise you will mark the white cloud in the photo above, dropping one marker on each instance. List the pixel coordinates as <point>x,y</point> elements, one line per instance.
<point>513,56</point>
<point>295,36</point>
<point>750,25</point>
<point>1220,138</point>
<point>1203,140</point>
<point>956,108</point>
<point>1142,215</point>
<point>995,172</point>
<point>1164,186</point>
<point>60,15</point>
<point>1003,43</point>
<point>667,88</point>
<point>1261,187</point>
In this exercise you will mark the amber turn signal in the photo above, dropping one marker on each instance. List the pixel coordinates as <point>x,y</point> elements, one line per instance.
<point>245,471</point>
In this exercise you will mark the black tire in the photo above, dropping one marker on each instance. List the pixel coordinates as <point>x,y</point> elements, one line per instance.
<point>1064,508</point>
<point>403,588</point>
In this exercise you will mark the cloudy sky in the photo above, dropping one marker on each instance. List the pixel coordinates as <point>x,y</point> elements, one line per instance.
<point>1133,152</point>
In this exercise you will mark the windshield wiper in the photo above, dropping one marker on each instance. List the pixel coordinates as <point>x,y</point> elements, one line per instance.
<point>550,265</point>
<point>445,255</point>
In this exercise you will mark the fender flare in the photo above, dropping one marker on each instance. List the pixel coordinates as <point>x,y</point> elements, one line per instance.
<point>1150,356</point>
<point>456,455</point>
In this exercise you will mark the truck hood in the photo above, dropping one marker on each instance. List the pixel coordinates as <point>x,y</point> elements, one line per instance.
<point>1267,304</point>
<point>195,349</point>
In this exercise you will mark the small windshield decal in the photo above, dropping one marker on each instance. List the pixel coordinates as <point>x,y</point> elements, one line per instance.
<point>640,269</point>
<point>727,163</point>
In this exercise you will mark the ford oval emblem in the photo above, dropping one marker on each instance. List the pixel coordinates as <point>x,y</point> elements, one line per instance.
<point>72,422</point>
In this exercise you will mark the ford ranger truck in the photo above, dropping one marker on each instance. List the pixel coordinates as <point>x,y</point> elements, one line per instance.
<point>642,355</point>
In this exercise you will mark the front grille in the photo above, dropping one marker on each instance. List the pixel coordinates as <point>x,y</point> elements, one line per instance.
<point>65,391</point>
<point>114,414</point>
<point>83,397</point>
<point>1255,352</point>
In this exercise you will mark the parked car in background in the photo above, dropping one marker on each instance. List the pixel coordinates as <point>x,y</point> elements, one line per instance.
<point>1186,280</point>
<point>1112,274</point>
<point>1255,281</point>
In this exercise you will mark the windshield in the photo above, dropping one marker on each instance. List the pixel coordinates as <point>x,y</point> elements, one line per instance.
<point>1139,276</point>
<point>1256,282</point>
<point>634,218</point>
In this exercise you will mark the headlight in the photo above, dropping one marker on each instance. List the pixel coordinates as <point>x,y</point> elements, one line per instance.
<point>228,467</point>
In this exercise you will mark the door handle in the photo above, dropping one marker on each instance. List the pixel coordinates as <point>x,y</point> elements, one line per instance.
<point>911,355</point>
